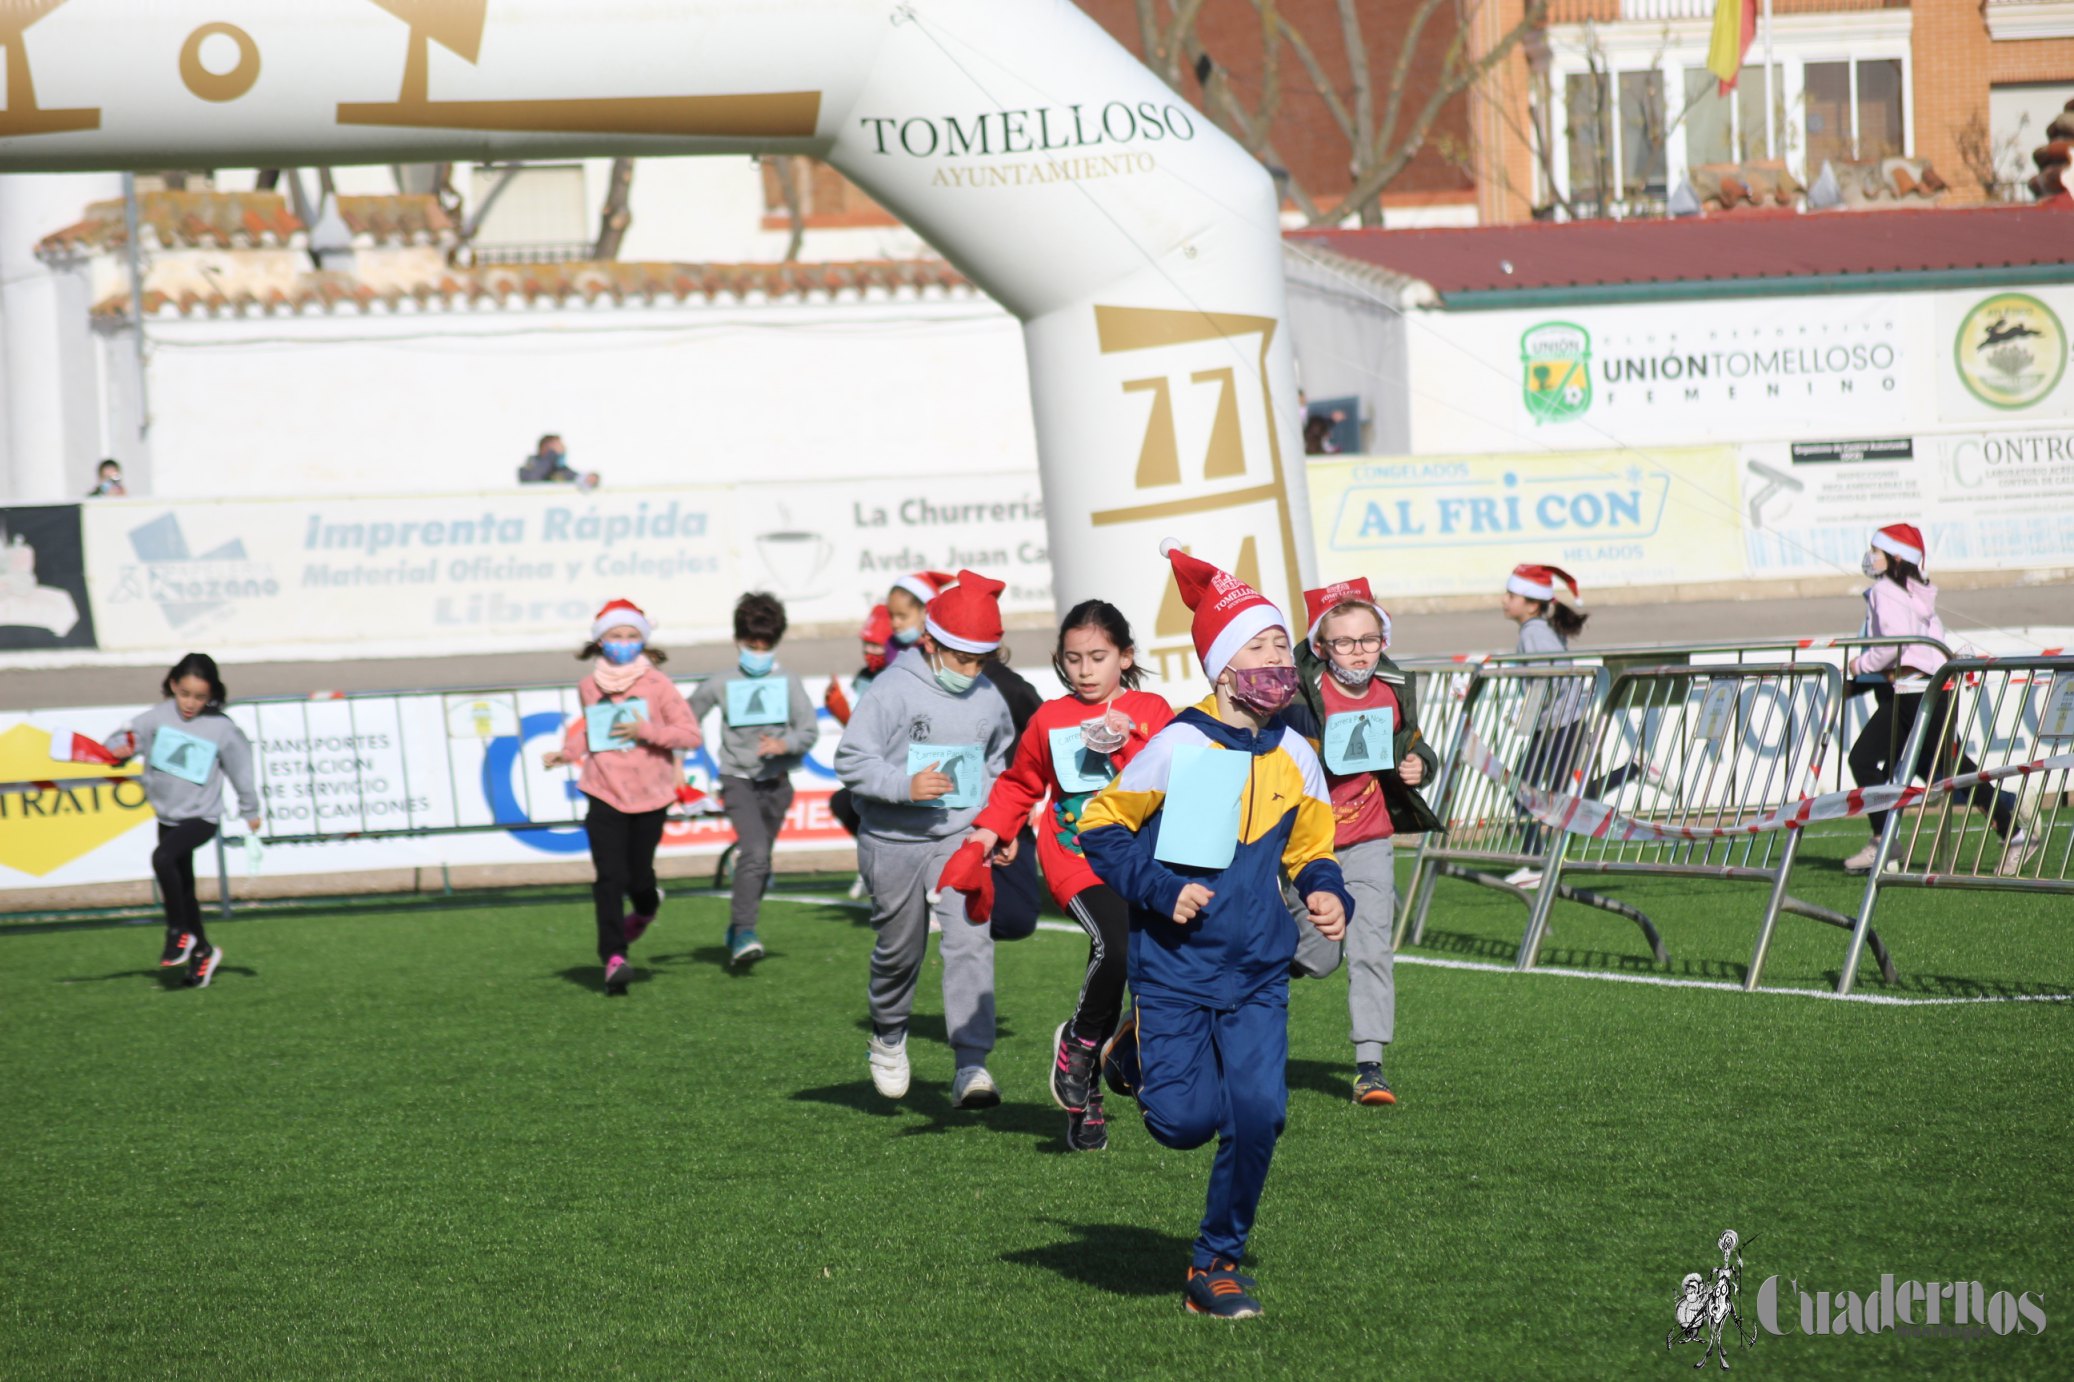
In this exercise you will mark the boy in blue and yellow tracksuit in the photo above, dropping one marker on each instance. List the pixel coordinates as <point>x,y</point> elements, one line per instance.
<point>1210,947</point>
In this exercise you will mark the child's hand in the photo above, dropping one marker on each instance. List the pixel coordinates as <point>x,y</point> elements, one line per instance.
<point>929,784</point>
<point>1193,899</point>
<point>629,730</point>
<point>253,825</point>
<point>769,746</point>
<point>1412,771</point>
<point>991,846</point>
<point>555,758</point>
<point>1327,915</point>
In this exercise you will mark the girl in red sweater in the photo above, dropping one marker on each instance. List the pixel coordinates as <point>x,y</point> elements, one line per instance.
<point>634,720</point>
<point>1069,751</point>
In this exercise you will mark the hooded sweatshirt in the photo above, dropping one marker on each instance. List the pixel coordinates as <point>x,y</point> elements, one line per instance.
<point>1894,612</point>
<point>738,743</point>
<point>174,798</point>
<point>907,705</point>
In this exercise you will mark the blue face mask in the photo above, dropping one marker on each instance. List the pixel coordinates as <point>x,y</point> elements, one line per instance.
<point>620,651</point>
<point>756,664</point>
<point>957,683</point>
<point>906,637</point>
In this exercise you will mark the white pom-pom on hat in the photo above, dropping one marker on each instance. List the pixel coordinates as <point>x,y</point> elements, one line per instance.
<point>1167,545</point>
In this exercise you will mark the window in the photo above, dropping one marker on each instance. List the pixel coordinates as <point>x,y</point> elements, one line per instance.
<point>1854,112</point>
<point>530,214</point>
<point>1590,136</point>
<point>1730,129</point>
<point>1879,110</point>
<point>1642,129</point>
<point>1829,114</point>
<point>2018,117</point>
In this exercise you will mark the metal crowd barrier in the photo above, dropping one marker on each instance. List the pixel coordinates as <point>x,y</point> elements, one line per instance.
<point>1538,720</point>
<point>2015,834</point>
<point>1691,752</point>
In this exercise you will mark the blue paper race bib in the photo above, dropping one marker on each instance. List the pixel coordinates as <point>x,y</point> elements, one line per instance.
<point>1358,741</point>
<point>600,717</point>
<point>185,756</point>
<point>1079,767</point>
<point>1199,821</point>
<point>964,764</point>
<point>759,701</point>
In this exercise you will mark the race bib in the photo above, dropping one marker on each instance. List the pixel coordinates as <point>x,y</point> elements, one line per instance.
<point>1079,767</point>
<point>1199,822</point>
<point>759,701</point>
<point>599,718</point>
<point>185,756</point>
<point>964,764</point>
<point>1358,741</point>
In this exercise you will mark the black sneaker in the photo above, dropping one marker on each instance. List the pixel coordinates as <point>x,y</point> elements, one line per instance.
<point>202,968</point>
<point>1073,1062</point>
<point>1088,1130</point>
<point>178,947</point>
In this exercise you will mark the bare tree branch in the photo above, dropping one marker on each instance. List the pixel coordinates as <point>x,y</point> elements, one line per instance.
<point>618,213</point>
<point>1321,82</point>
<point>1364,89</point>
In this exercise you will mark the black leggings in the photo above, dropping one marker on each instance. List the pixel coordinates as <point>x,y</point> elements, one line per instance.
<point>173,864</point>
<point>1885,738</point>
<point>623,849</point>
<point>1107,920</point>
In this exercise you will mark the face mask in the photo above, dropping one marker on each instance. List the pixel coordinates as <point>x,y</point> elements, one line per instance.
<point>1103,736</point>
<point>620,651</point>
<point>1870,564</point>
<point>756,664</point>
<point>875,662</point>
<point>1263,690</point>
<point>1350,677</point>
<point>957,683</point>
<point>906,637</point>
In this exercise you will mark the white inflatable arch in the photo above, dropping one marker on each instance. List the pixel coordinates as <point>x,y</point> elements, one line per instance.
<point>1137,243</point>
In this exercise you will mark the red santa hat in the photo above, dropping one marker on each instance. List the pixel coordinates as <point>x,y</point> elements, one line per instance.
<point>617,612</point>
<point>878,626</point>
<point>1903,540</point>
<point>1319,603</point>
<point>1229,614</point>
<point>1545,583</point>
<point>967,615</point>
<point>924,585</point>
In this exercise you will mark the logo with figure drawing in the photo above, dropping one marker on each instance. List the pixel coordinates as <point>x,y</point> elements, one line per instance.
<point>1556,371</point>
<point>1707,1302</point>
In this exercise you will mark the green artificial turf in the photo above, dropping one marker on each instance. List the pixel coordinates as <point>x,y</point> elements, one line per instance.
<point>420,1142</point>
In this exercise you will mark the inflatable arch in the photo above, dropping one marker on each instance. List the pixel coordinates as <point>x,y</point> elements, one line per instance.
<point>1137,243</point>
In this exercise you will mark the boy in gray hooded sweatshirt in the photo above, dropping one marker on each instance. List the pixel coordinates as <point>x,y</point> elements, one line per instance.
<point>919,755</point>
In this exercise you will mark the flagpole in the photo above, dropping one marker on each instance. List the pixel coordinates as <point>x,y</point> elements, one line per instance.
<point>1771,149</point>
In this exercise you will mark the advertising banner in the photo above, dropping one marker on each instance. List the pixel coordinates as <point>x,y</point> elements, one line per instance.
<point>43,601</point>
<point>1451,525</point>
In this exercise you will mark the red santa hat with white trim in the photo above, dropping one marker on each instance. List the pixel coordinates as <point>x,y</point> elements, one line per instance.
<point>1319,603</point>
<point>1229,614</point>
<point>617,612</point>
<point>1545,583</point>
<point>967,615</point>
<point>924,585</point>
<point>1903,540</point>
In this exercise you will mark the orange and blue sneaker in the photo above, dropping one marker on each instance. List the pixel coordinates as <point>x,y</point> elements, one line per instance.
<point>1121,1067</point>
<point>1369,1085</point>
<point>1221,1290</point>
<point>202,968</point>
<point>179,944</point>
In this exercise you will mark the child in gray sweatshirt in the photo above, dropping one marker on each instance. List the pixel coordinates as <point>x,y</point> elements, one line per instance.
<point>767,724</point>
<point>189,746</point>
<point>919,756</point>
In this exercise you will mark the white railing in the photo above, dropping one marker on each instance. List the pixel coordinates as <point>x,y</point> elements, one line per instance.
<point>1666,9</point>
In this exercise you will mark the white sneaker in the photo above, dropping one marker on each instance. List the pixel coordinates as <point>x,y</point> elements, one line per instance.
<point>889,1066</point>
<point>2016,853</point>
<point>1861,862</point>
<point>857,889</point>
<point>1524,878</point>
<point>974,1088</point>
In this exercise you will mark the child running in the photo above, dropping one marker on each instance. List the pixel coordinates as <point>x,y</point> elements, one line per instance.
<point>633,721</point>
<point>768,724</point>
<point>1367,723</point>
<point>918,757</point>
<point>1196,834</point>
<point>1548,606</point>
<point>1070,750</point>
<point>907,605</point>
<point>189,746</point>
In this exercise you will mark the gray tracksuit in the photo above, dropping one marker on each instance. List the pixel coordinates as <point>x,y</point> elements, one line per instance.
<point>903,845</point>
<point>172,797</point>
<point>755,791</point>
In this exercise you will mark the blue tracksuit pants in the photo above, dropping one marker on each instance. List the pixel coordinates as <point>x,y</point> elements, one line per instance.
<point>1210,1072</point>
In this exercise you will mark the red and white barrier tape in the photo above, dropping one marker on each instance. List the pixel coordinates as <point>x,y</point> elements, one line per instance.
<point>1597,819</point>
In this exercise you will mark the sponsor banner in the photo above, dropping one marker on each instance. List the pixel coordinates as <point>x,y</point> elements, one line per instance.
<point>1448,525</point>
<point>43,602</point>
<point>2008,356</point>
<point>1985,500</point>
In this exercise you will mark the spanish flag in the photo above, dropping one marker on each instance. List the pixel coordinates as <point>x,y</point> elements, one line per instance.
<point>1735,26</point>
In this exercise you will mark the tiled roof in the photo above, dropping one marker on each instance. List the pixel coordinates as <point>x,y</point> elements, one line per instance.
<point>1708,249</point>
<point>246,220</point>
<point>503,286</point>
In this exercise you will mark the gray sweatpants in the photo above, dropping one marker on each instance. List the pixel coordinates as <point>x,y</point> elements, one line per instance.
<point>757,811</point>
<point>900,874</point>
<point>1371,964</point>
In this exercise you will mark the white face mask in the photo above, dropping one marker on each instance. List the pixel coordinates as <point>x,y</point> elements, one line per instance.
<point>1353,678</point>
<point>1872,564</point>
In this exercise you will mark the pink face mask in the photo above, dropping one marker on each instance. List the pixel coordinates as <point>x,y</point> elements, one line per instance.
<point>1263,690</point>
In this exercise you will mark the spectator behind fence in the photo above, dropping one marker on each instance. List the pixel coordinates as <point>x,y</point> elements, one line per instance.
<point>549,465</point>
<point>108,481</point>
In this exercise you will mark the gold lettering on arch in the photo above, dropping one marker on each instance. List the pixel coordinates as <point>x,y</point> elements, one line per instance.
<point>22,115</point>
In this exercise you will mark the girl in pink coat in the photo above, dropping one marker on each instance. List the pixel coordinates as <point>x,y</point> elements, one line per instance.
<point>633,723</point>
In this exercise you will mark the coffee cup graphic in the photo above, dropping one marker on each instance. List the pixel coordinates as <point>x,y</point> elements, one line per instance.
<point>796,561</point>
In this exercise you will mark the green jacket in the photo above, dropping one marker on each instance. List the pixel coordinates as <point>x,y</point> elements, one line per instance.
<point>1409,813</point>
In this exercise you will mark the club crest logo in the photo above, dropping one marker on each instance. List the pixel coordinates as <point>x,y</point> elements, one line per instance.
<point>1555,371</point>
<point>2011,350</point>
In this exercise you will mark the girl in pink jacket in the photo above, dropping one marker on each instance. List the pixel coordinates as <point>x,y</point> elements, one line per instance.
<point>633,722</point>
<point>1901,602</point>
